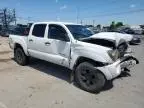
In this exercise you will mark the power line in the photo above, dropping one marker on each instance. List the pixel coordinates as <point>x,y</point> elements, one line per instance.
<point>118,13</point>
<point>114,8</point>
<point>111,2</point>
<point>87,8</point>
<point>77,15</point>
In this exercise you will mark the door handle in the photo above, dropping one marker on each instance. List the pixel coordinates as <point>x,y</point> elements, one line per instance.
<point>47,43</point>
<point>30,40</point>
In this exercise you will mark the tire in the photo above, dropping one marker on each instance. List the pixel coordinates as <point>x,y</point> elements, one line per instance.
<point>20,57</point>
<point>88,78</point>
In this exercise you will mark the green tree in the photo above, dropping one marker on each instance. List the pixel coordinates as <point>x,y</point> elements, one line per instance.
<point>114,25</point>
<point>118,24</point>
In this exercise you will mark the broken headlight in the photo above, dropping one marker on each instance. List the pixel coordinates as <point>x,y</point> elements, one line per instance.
<point>114,54</point>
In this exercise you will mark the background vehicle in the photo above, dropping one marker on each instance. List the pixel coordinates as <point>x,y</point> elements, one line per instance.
<point>92,61</point>
<point>136,39</point>
<point>16,30</point>
<point>114,36</point>
<point>127,31</point>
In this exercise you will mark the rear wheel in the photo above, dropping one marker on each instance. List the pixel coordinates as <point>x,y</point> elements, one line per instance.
<point>89,78</point>
<point>20,56</point>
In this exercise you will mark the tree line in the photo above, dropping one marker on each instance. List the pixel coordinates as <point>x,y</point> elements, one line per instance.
<point>7,16</point>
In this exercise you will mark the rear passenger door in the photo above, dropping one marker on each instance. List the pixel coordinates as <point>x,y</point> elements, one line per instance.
<point>36,41</point>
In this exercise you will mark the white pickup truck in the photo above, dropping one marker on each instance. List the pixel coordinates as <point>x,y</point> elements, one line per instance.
<point>93,60</point>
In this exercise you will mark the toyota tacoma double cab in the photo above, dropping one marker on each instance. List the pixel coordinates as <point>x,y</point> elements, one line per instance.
<point>93,60</point>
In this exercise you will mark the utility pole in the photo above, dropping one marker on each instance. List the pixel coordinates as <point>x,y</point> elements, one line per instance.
<point>58,18</point>
<point>5,18</point>
<point>77,19</point>
<point>14,14</point>
<point>93,23</point>
<point>1,14</point>
<point>81,22</point>
<point>29,19</point>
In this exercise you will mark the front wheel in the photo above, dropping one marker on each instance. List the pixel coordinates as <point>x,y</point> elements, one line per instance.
<point>20,56</point>
<point>89,78</point>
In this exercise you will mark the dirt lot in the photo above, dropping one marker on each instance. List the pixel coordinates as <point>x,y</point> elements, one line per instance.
<point>45,85</point>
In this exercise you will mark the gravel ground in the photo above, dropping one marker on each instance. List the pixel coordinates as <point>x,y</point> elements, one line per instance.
<point>45,85</point>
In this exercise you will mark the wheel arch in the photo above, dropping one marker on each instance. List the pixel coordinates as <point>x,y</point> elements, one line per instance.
<point>85,59</point>
<point>17,45</point>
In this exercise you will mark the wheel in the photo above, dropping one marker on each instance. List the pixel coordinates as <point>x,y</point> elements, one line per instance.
<point>20,56</point>
<point>88,78</point>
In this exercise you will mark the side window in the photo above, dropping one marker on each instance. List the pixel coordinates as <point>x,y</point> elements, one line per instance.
<point>39,30</point>
<point>57,32</point>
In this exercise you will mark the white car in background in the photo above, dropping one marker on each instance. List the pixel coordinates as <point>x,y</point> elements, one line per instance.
<point>113,36</point>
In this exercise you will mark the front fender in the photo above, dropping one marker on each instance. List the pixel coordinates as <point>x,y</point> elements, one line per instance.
<point>92,56</point>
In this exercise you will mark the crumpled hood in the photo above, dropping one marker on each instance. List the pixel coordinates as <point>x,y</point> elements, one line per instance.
<point>113,36</point>
<point>92,51</point>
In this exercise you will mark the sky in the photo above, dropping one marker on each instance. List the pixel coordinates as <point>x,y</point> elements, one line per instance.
<point>86,11</point>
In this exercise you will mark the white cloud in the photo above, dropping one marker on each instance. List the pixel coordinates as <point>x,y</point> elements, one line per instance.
<point>56,1</point>
<point>63,7</point>
<point>132,6</point>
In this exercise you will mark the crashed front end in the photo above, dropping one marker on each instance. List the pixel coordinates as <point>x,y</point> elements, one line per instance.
<point>115,69</point>
<point>124,60</point>
<point>120,54</point>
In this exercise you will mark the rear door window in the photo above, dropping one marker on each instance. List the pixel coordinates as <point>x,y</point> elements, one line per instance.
<point>39,30</point>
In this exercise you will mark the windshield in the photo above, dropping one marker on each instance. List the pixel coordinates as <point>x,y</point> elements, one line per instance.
<point>79,31</point>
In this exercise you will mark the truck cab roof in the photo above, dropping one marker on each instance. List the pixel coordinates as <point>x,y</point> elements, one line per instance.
<point>55,22</point>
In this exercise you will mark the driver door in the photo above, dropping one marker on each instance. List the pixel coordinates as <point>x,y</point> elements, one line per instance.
<point>58,45</point>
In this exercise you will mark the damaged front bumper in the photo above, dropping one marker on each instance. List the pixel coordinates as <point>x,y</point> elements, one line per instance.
<point>128,62</point>
<point>113,70</point>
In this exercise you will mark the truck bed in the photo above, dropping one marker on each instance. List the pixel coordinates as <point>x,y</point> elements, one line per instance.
<point>17,39</point>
